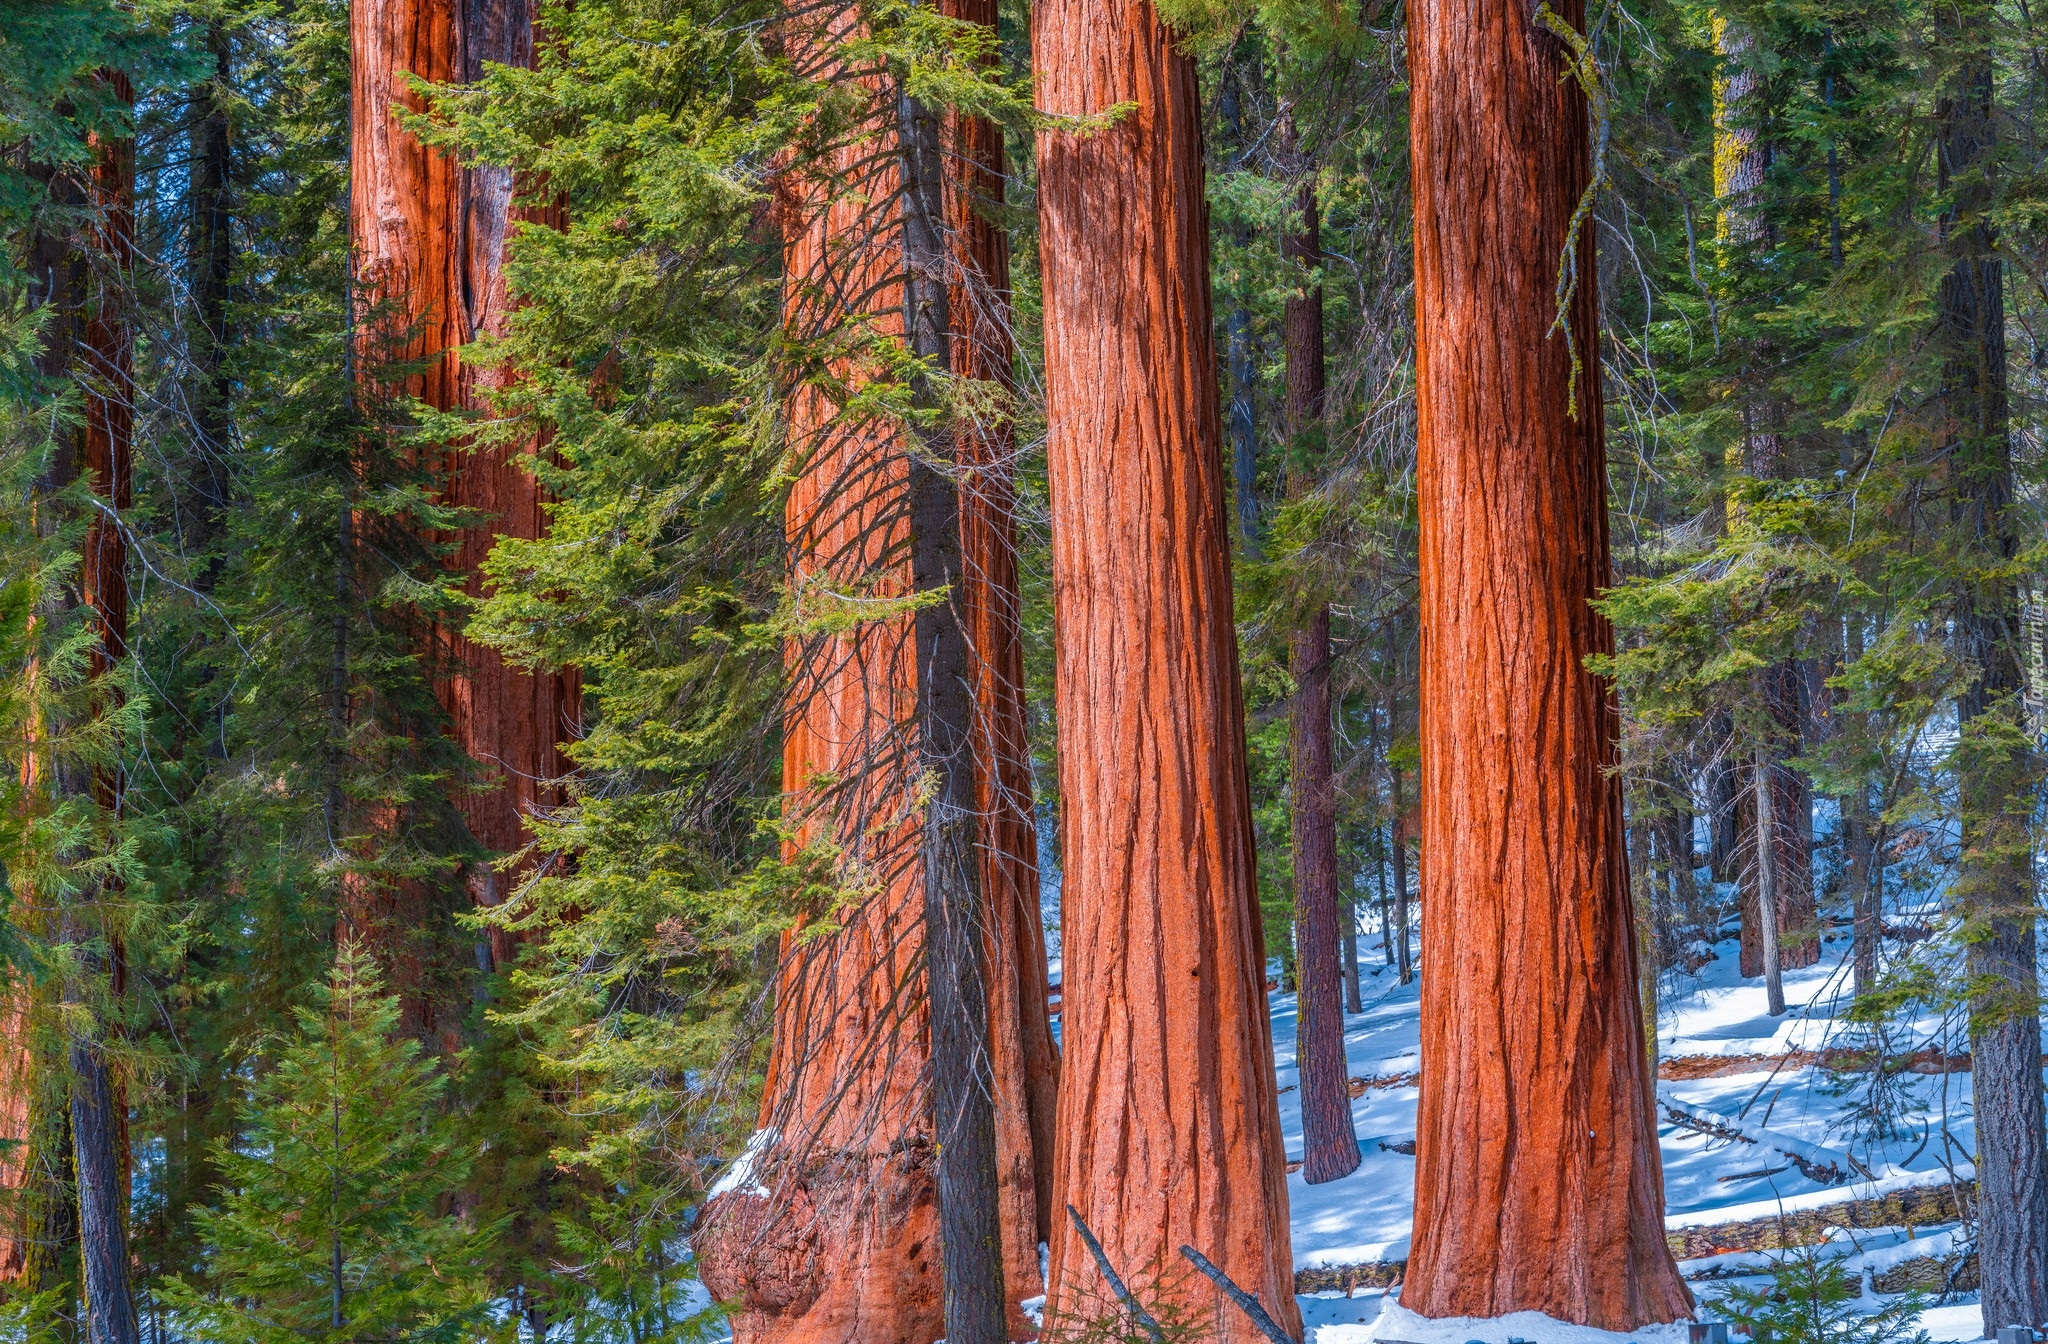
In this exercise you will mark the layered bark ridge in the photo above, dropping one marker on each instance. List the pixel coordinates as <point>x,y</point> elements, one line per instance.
<point>835,1239</point>
<point>431,237</point>
<point>1538,1184</point>
<point>1168,1116</point>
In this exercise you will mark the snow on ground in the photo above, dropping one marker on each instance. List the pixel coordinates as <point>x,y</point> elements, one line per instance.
<point>1367,1216</point>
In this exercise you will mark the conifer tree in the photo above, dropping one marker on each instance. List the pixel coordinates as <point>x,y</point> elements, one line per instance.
<point>333,1220</point>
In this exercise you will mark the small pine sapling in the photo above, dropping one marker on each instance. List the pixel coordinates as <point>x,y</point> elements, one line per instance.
<point>1812,1299</point>
<point>331,1224</point>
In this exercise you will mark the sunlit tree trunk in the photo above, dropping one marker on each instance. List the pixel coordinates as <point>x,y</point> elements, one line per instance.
<point>1169,1119</point>
<point>1538,1182</point>
<point>842,1239</point>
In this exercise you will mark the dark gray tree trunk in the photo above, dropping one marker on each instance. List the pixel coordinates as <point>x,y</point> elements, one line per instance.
<point>1329,1137</point>
<point>99,1130</point>
<point>1994,892</point>
<point>963,1081</point>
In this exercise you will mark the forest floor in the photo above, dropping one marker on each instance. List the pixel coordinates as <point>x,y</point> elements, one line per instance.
<point>1758,1134</point>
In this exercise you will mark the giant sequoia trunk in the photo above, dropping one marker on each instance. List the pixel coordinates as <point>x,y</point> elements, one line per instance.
<point>41,1228</point>
<point>1995,887</point>
<point>839,1238</point>
<point>1538,1182</point>
<point>1169,1120</point>
<point>430,238</point>
<point>99,1103</point>
<point>1329,1139</point>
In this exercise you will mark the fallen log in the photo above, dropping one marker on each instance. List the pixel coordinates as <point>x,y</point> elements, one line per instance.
<point>1816,1163</point>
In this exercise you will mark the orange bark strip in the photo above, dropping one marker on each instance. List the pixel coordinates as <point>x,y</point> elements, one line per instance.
<point>431,238</point>
<point>1538,1183</point>
<point>838,1242</point>
<point>1168,1116</point>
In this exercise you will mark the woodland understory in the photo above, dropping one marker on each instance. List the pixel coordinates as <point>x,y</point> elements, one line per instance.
<point>676,669</point>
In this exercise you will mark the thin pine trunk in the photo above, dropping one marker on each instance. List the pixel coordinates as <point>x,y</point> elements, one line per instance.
<point>1403,958</point>
<point>1767,884</point>
<point>955,915</point>
<point>1329,1137</point>
<point>1166,1021</point>
<point>1538,1183</point>
<point>1995,891</point>
<point>99,1109</point>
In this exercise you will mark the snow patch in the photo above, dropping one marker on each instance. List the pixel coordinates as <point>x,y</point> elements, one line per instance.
<point>1398,1325</point>
<point>740,1175</point>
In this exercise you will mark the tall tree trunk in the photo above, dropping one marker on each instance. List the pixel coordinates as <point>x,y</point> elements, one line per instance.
<point>38,1175</point>
<point>1026,1061</point>
<point>1742,158</point>
<point>956,922</point>
<point>509,720</point>
<point>1538,1182</point>
<point>404,204</point>
<point>840,1239</point>
<point>1329,1137</point>
<point>431,237</point>
<point>1995,890</point>
<point>1403,959</point>
<point>1767,904</point>
<point>99,1107</point>
<point>1797,915</point>
<point>1169,1118</point>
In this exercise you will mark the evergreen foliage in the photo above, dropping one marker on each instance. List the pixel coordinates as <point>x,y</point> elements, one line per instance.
<point>332,1223</point>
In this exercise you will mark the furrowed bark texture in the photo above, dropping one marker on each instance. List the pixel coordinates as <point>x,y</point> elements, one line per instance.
<point>1995,890</point>
<point>955,914</point>
<point>983,346</point>
<point>1329,1137</point>
<point>1168,1128</point>
<point>839,1240</point>
<point>1538,1182</point>
<point>431,237</point>
<point>99,1101</point>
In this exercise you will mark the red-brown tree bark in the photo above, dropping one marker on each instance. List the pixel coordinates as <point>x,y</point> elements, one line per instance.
<point>838,1239</point>
<point>35,1170</point>
<point>1168,1115</point>
<point>431,236</point>
<point>1329,1137</point>
<point>99,1099</point>
<point>1538,1182</point>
